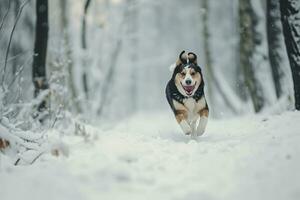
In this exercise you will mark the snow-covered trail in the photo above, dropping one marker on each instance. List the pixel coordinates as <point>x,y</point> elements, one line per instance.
<point>147,157</point>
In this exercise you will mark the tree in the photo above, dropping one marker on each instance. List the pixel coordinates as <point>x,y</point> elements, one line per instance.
<point>281,70</point>
<point>133,52</point>
<point>84,47</point>
<point>40,52</point>
<point>253,58</point>
<point>215,83</point>
<point>274,31</point>
<point>74,103</point>
<point>290,17</point>
<point>206,35</point>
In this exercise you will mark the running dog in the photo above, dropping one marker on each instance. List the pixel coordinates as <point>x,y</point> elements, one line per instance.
<point>185,94</point>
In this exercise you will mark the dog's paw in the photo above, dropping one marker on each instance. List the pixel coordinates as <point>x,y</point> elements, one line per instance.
<point>188,133</point>
<point>200,132</point>
<point>185,127</point>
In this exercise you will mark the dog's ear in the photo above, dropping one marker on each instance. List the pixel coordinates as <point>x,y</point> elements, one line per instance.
<point>192,58</point>
<point>182,59</point>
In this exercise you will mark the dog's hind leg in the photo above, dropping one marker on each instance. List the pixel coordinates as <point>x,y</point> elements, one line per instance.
<point>181,117</point>
<point>202,122</point>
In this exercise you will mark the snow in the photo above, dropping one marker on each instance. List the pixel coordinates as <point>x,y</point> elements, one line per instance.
<point>147,157</point>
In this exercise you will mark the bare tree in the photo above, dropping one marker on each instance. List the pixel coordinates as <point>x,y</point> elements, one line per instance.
<point>40,51</point>
<point>17,17</point>
<point>84,47</point>
<point>6,14</point>
<point>290,17</point>
<point>206,44</point>
<point>74,103</point>
<point>132,33</point>
<point>214,81</point>
<point>253,59</point>
<point>119,43</point>
<point>274,31</point>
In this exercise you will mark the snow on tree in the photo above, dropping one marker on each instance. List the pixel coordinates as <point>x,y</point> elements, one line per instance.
<point>253,54</point>
<point>290,17</point>
<point>277,54</point>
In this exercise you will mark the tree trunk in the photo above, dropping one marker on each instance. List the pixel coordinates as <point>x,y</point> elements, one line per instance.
<point>290,17</point>
<point>133,52</point>
<point>15,49</point>
<point>207,53</point>
<point>274,31</point>
<point>246,49</point>
<point>68,53</point>
<point>84,47</point>
<point>40,51</point>
<point>83,28</point>
<point>213,81</point>
<point>252,58</point>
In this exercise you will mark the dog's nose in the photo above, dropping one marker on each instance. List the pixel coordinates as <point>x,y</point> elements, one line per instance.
<point>188,82</point>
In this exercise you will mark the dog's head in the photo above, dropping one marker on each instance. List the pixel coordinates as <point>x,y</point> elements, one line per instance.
<point>187,74</point>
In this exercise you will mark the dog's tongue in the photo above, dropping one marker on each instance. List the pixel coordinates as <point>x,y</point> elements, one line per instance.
<point>189,89</point>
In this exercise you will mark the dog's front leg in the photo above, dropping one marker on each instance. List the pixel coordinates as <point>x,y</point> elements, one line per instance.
<point>203,121</point>
<point>181,117</point>
<point>194,128</point>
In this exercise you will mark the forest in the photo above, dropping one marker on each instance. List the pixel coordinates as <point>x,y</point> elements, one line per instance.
<point>83,104</point>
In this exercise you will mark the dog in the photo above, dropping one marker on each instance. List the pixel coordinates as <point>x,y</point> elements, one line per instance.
<point>185,95</point>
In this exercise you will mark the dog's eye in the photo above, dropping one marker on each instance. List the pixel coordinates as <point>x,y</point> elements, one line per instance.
<point>193,73</point>
<point>182,73</point>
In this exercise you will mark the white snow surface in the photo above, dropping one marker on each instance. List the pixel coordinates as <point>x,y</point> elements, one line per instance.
<point>147,157</point>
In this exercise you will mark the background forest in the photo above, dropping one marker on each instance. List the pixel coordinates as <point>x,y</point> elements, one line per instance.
<point>79,68</point>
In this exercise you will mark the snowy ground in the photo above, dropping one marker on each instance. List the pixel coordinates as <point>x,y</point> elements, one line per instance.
<point>147,157</point>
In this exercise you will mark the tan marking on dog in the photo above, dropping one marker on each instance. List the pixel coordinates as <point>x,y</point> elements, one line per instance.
<point>179,106</point>
<point>201,104</point>
<point>193,57</point>
<point>180,115</point>
<point>203,112</point>
<point>178,62</point>
<point>184,56</point>
<point>197,77</point>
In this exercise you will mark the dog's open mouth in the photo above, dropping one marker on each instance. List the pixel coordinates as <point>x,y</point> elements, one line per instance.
<point>189,89</point>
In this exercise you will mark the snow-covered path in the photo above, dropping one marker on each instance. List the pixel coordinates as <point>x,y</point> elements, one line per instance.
<point>147,157</point>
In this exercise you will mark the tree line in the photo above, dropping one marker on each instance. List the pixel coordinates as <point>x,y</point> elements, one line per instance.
<point>257,59</point>
<point>281,27</point>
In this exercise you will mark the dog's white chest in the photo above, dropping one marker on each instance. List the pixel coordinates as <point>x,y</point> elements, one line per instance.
<point>190,104</point>
<point>193,107</point>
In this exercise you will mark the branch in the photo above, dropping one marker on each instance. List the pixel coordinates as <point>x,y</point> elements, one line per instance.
<point>4,17</point>
<point>19,72</point>
<point>10,39</point>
